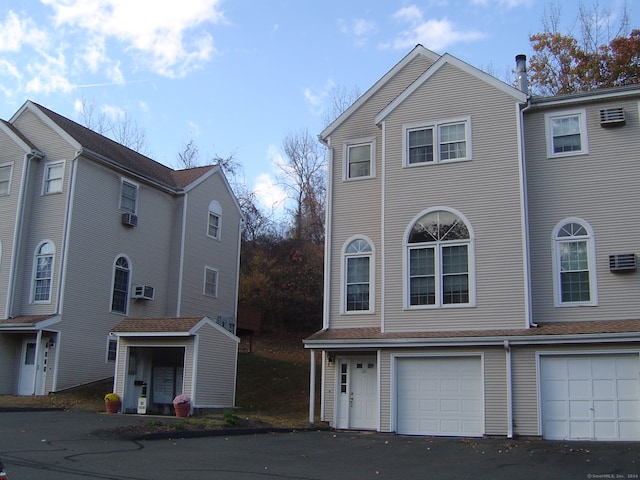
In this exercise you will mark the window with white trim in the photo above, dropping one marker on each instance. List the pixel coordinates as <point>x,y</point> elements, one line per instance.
<point>358,270</point>
<point>43,272</point>
<point>439,261</point>
<point>428,143</point>
<point>566,133</point>
<point>359,159</point>
<point>6,169</point>
<point>210,282</point>
<point>128,196</point>
<point>574,265</point>
<point>120,293</point>
<point>214,222</point>
<point>112,348</point>
<point>53,178</point>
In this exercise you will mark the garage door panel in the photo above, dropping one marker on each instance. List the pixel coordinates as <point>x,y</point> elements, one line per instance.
<point>590,396</point>
<point>440,396</point>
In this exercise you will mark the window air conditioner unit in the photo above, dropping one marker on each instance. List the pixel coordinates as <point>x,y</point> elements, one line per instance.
<point>143,292</point>
<point>130,219</point>
<point>612,117</point>
<point>625,262</point>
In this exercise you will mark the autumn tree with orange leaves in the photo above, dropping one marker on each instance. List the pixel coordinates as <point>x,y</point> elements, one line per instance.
<point>600,57</point>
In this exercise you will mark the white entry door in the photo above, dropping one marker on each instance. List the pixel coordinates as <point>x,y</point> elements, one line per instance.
<point>357,393</point>
<point>594,397</point>
<point>33,370</point>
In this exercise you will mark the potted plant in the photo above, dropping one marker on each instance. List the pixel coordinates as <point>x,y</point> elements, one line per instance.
<point>182,405</point>
<point>112,402</point>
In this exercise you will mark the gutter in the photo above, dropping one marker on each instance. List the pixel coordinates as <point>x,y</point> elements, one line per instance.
<point>519,340</point>
<point>507,350</point>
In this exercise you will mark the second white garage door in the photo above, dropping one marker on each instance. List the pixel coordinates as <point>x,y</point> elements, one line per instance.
<point>595,397</point>
<point>440,396</point>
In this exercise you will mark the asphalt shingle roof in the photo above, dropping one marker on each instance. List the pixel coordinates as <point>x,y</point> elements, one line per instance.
<point>156,325</point>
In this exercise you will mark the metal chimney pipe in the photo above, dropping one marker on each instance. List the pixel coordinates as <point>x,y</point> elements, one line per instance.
<point>521,71</point>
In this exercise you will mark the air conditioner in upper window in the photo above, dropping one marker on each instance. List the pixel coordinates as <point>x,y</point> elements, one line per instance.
<point>612,117</point>
<point>624,262</point>
<point>143,292</point>
<point>130,219</point>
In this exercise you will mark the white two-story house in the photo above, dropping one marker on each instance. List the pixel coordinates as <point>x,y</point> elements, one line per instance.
<point>113,264</point>
<point>480,258</point>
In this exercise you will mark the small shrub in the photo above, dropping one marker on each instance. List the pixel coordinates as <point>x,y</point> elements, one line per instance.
<point>154,423</point>
<point>178,426</point>
<point>230,418</point>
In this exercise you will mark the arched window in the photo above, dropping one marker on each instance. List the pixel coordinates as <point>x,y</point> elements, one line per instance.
<point>574,273</point>
<point>358,270</point>
<point>43,272</point>
<point>214,222</point>
<point>120,297</point>
<point>439,261</point>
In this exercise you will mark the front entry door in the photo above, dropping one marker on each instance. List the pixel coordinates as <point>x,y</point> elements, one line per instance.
<point>32,369</point>
<point>357,393</point>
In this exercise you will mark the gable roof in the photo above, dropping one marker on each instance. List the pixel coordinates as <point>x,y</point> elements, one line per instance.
<point>99,147</point>
<point>18,137</point>
<point>166,326</point>
<point>445,59</point>
<point>417,51</point>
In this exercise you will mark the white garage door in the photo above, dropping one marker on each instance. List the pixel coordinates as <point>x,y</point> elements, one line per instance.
<point>440,396</point>
<point>590,397</point>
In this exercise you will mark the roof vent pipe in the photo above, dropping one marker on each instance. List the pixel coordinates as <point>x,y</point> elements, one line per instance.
<point>521,71</point>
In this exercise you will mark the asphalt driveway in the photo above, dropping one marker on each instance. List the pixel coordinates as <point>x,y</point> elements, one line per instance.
<point>67,445</point>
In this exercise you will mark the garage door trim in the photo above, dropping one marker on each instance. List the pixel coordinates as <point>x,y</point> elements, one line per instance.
<point>570,353</point>
<point>395,358</point>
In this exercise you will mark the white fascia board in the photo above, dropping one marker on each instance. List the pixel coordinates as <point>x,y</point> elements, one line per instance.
<point>216,326</point>
<point>29,105</point>
<point>523,340</point>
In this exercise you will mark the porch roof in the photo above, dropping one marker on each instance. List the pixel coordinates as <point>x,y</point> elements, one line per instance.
<point>158,325</point>
<point>28,322</point>
<point>544,332</point>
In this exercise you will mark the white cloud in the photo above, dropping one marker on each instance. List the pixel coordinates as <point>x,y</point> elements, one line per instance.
<point>169,38</point>
<point>436,35</point>
<point>270,195</point>
<point>16,32</point>
<point>317,98</point>
<point>112,112</point>
<point>502,3</point>
<point>358,28</point>
<point>49,75</point>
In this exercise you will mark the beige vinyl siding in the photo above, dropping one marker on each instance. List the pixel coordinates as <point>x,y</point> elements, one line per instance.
<point>216,369</point>
<point>599,188</point>
<point>10,360</point>
<point>385,376</point>
<point>202,250</point>
<point>96,239</point>
<point>45,214</point>
<point>10,154</point>
<point>525,391</point>
<point>486,190</point>
<point>359,201</point>
<point>329,393</point>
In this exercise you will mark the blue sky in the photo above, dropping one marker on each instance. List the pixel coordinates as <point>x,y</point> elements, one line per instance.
<point>237,76</point>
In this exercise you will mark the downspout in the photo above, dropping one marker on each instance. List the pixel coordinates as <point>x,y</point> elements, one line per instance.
<point>18,229</point>
<point>507,349</point>
<point>382,225</point>
<point>65,234</point>
<point>523,86</point>
<point>181,266</point>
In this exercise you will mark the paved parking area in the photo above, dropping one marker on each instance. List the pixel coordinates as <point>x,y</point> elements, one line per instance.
<point>66,445</point>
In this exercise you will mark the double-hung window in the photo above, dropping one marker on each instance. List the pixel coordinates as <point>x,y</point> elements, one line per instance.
<point>210,282</point>
<point>43,273</point>
<point>128,197</point>
<point>5,178</point>
<point>574,274</point>
<point>53,178</point>
<point>427,143</point>
<point>439,261</point>
<point>566,133</point>
<point>359,155</point>
<point>120,295</point>
<point>214,222</point>
<point>358,276</point>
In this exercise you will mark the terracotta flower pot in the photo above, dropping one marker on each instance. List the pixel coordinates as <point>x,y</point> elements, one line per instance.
<point>182,409</point>
<point>112,407</point>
